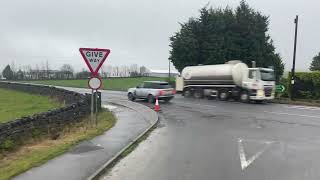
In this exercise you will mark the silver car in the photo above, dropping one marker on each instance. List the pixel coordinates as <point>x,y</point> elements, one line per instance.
<point>151,90</point>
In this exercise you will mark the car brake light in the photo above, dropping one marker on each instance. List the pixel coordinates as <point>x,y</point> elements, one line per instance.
<point>174,91</point>
<point>161,93</point>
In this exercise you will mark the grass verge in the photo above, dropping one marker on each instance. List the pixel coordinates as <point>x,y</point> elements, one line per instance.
<point>119,84</point>
<point>304,102</point>
<point>16,104</point>
<point>41,150</point>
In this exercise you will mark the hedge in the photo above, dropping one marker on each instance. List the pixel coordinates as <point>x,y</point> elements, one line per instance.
<point>307,85</point>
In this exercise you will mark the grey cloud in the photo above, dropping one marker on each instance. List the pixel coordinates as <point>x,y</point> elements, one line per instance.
<point>136,31</point>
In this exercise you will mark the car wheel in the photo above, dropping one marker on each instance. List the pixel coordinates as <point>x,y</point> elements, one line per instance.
<point>151,98</point>
<point>244,96</point>
<point>167,99</point>
<point>131,97</point>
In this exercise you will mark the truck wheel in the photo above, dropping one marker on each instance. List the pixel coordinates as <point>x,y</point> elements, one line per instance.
<point>187,93</point>
<point>223,95</point>
<point>198,93</point>
<point>151,99</point>
<point>131,97</point>
<point>244,96</point>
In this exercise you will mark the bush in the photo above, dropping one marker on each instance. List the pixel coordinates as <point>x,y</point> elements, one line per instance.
<point>307,85</point>
<point>7,145</point>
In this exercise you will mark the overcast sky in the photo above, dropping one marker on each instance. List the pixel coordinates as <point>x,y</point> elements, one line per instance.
<point>137,32</point>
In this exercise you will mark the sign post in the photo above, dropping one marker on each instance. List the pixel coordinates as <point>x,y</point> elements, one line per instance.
<point>94,58</point>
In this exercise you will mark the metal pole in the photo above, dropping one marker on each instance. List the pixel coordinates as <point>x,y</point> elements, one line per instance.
<point>96,95</point>
<point>92,102</point>
<point>294,56</point>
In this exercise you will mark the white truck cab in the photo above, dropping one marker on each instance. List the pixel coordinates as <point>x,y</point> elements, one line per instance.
<point>260,83</point>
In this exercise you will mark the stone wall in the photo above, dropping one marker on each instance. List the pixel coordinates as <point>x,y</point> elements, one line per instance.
<point>77,107</point>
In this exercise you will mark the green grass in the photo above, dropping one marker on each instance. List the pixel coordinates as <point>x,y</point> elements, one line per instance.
<point>16,104</point>
<point>40,152</point>
<point>119,84</point>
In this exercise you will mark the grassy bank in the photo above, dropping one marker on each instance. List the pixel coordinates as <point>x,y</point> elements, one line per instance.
<point>16,104</point>
<point>119,84</point>
<point>42,149</point>
<point>304,102</point>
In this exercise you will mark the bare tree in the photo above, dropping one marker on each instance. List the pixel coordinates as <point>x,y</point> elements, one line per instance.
<point>47,69</point>
<point>109,70</point>
<point>144,71</point>
<point>67,71</point>
<point>37,70</point>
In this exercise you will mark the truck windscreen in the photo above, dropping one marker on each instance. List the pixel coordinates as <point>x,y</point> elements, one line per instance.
<point>267,75</point>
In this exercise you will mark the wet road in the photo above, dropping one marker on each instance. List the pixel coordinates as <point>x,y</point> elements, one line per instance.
<point>202,139</point>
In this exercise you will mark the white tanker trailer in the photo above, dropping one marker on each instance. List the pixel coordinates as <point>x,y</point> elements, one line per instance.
<point>231,80</point>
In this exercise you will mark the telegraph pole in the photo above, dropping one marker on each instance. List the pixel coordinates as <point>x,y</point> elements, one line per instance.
<point>294,56</point>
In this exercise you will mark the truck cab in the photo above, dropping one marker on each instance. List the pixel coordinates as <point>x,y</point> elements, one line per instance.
<point>260,84</point>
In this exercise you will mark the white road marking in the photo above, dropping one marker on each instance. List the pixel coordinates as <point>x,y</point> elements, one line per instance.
<point>243,160</point>
<point>303,108</point>
<point>290,114</point>
<point>110,107</point>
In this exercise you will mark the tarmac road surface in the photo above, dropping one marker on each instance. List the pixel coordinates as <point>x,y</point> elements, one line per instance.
<point>209,139</point>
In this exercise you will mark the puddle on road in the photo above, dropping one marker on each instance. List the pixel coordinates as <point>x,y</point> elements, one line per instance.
<point>85,147</point>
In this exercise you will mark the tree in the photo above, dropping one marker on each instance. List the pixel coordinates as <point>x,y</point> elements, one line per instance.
<point>8,73</point>
<point>67,70</point>
<point>144,71</point>
<point>219,35</point>
<point>315,64</point>
<point>83,74</point>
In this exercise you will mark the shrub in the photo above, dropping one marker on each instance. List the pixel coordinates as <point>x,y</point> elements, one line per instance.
<point>307,85</point>
<point>7,145</point>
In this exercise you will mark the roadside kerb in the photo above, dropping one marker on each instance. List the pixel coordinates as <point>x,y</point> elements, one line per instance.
<point>137,107</point>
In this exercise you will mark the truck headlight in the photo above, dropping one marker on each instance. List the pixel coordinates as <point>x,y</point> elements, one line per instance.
<point>260,92</point>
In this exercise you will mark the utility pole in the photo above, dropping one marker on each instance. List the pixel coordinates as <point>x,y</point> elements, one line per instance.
<point>294,57</point>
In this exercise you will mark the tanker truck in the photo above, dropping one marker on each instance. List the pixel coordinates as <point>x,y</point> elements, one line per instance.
<point>224,81</point>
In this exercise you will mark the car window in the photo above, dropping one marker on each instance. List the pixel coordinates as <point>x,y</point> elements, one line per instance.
<point>147,85</point>
<point>161,86</point>
<point>252,74</point>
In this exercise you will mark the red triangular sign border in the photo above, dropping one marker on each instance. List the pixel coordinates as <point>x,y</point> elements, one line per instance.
<point>94,72</point>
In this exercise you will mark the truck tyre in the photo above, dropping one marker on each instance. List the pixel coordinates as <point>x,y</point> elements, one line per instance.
<point>244,97</point>
<point>187,93</point>
<point>131,97</point>
<point>198,93</point>
<point>151,98</point>
<point>223,95</point>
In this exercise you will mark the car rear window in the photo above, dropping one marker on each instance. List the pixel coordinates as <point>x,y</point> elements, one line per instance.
<point>160,86</point>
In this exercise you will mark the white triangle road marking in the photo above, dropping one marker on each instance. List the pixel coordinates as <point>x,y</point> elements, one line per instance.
<point>243,159</point>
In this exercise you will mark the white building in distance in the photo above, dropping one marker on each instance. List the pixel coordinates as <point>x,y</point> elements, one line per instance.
<point>162,73</point>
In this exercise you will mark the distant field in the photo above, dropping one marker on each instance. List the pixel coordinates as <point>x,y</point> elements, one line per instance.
<point>14,104</point>
<point>119,84</point>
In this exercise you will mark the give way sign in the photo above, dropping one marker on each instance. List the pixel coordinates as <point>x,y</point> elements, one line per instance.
<point>94,58</point>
